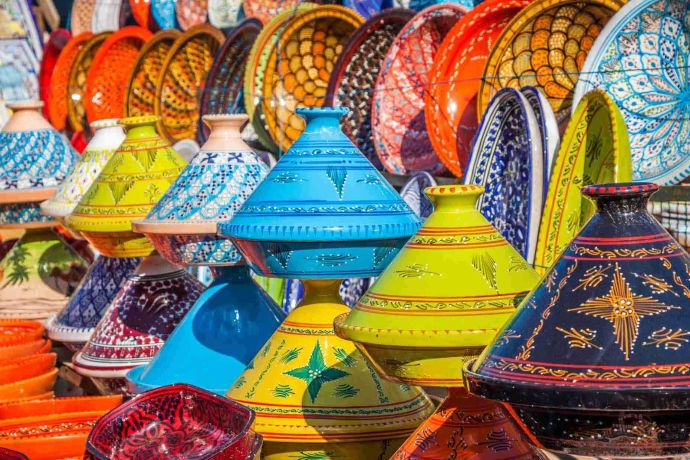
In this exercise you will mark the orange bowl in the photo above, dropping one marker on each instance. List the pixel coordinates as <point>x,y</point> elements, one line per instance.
<point>13,352</point>
<point>16,331</point>
<point>44,424</point>
<point>70,444</point>
<point>29,387</point>
<point>27,367</point>
<point>38,397</point>
<point>60,406</point>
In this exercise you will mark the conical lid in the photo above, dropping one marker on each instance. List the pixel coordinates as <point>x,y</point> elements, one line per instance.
<point>308,385</point>
<point>417,322</point>
<point>34,157</point>
<point>108,137</point>
<point>608,326</point>
<point>133,180</point>
<point>212,188</point>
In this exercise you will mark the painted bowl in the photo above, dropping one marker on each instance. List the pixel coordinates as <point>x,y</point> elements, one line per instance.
<point>24,215</point>
<point>190,13</point>
<point>28,367</point>
<point>12,352</point>
<point>55,406</point>
<point>265,10</point>
<point>33,386</point>
<point>180,421</point>
<point>9,454</point>
<point>51,52</point>
<point>195,249</point>
<point>39,397</point>
<point>81,16</point>
<point>14,332</point>
<point>141,12</point>
<point>69,443</point>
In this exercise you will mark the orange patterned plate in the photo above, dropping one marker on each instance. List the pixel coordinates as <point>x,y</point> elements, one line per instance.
<point>57,105</point>
<point>106,81</point>
<point>265,10</point>
<point>179,85</point>
<point>191,13</point>
<point>141,88</point>
<point>545,46</point>
<point>455,78</point>
<point>76,86</point>
<point>141,11</point>
<point>51,52</point>
<point>298,70</point>
<point>82,16</point>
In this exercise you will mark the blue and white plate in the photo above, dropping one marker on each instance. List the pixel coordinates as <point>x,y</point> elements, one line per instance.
<point>18,70</point>
<point>413,194</point>
<point>19,22</point>
<point>507,161</point>
<point>164,13</point>
<point>641,59</point>
<point>548,126</point>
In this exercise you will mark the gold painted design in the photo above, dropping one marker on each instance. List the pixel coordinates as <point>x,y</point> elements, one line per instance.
<point>668,338</point>
<point>415,271</point>
<point>486,265</point>
<point>670,248</point>
<point>582,338</point>
<point>593,277</point>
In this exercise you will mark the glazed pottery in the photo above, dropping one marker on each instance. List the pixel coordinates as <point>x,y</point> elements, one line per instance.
<point>141,88</point>
<point>8,454</point>
<point>68,441</point>
<point>593,362</point>
<point>224,13</point>
<point>594,149</point>
<point>141,11</point>
<point>57,406</point>
<point>15,331</point>
<point>107,78</point>
<point>145,311</point>
<point>413,194</point>
<point>450,103</point>
<point>400,136</point>
<point>299,66</point>
<point>179,421</point>
<point>163,12</point>
<point>641,66</point>
<point>350,87</point>
<point>18,22</point>
<point>265,10</point>
<point>415,324</point>
<point>507,160</point>
<point>81,16</point>
<point>56,43</point>
<point>27,367</point>
<point>670,207</point>
<point>181,79</point>
<point>74,324</point>
<point>545,45</point>
<point>338,215</point>
<point>465,426</point>
<point>107,138</point>
<point>190,13</point>
<point>131,182</point>
<point>57,103</point>
<point>548,126</point>
<point>368,8</point>
<point>11,353</point>
<point>27,387</point>
<point>20,69</point>
<point>110,15</point>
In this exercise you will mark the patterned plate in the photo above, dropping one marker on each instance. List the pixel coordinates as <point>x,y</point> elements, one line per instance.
<point>507,161</point>
<point>110,15</point>
<point>106,82</point>
<point>190,13</point>
<point>18,70</point>
<point>141,11</point>
<point>82,16</point>
<point>419,5</point>
<point>545,46</point>
<point>350,86</point>
<point>76,84</point>
<point>57,104</point>
<point>297,72</point>
<point>266,10</point>
<point>450,109</point>
<point>368,8</point>
<point>641,60</point>
<point>224,13</point>
<point>222,92</point>
<point>56,43</point>
<point>181,80</point>
<point>164,13</point>
<point>548,125</point>
<point>413,194</point>
<point>17,21</point>
<point>141,89</point>
<point>400,136</point>
<point>594,150</point>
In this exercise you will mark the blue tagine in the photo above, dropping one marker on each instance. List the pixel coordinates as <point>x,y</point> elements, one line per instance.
<point>234,317</point>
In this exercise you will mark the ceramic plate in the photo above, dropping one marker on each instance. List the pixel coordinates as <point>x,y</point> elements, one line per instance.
<point>450,108</point>
<point>641,61</point>
<point>181,80</point>
<point>164,13</point>
<point>18,22</point>
<point>413,194</point>
<point>57,104</point>
<point>56,43</point>
<point>419,5</point>
<point>594,150</point>
<point>190,13</point>
<point>368,8</point>
<point>141,89</point>
<point>224,13</point>
<point>400,136</point>
<point>350,87</point>
<point>298,70</point>
<point>266,10</point>
<point>18,70</point>
<point>76,85</point>
<point>507,161</point>
<point>548,126</point>
<point>109,15</point>
<point>141,11</point>
<point>82,16</point>
<point>545,46</point>
<point>106,82</point>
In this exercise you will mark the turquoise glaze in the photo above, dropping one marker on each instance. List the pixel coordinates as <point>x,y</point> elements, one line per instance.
<point>323,211</point>
<point>217,339</point>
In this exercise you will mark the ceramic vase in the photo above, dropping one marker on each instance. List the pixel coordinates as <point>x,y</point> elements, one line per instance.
<point>594,362</point>
<point>131,182</point>
<point>234,317</point>
<point>145,311</point>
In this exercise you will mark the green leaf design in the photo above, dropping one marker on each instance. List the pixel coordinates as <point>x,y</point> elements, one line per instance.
<point>486,265</point>
<point>337,175</point>
<point>240,381</point>
<point>345,390</point>
<point>280,252</point>
<point>290,355</point>
<point>316,373</point>
<point>345,358</point>
<point>315,456</point>
<point>18,271</point>
<point>282,391</point>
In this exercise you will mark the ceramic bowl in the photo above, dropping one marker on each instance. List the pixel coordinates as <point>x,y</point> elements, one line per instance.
<point>69,443</point>
<point>181,421</point>
<point>39,397</point>
<point>54,46</point>
<point>24,215</point>
<point>59,406</point>
<point>9,454</point>
<point>14,332</point>
<point>13,352</point>
<point>28,367</point>
<point>195,249</point>
<point>42,383</point>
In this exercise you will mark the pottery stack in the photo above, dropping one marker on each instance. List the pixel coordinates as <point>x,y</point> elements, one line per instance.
<point>234,317</point>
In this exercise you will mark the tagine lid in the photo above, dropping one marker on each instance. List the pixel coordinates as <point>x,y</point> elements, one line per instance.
<point>35,157</point>
<point>214,185</point>
<point>607,326</point>
<point>323,189</point>
<point>133,180</point>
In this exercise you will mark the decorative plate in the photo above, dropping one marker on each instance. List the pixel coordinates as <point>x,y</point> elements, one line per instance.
<point>76,86</point>
<point>450,108</point>
<point>222,92</point>
<point>594,150</point>
<point>107,78</point>
<point>400,136</point>
<point>419,5</point>
<point>191,13</point>
<point>368,8</point>
<point>109,15</point>
<point>17,21</point>
<point>56,43</point>
<point>164,13</point>
<point>141,88</point>
<point>256,67</point>
<point>545,46</point>
<point>413,194</point>
<point>57,103</point>
<point>350,86</point>
<point>81,17</point>
<point>182,79</point>
<point>298,70</point>
<point>266,10</point>
<point>507,161</point>
<point>641,61</point>
<point>18,70</point>
<point>224,13</point>
<point>141,11</point>
<point>548,125</point>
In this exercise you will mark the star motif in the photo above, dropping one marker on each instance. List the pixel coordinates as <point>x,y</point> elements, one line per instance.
<point>316,373</point>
